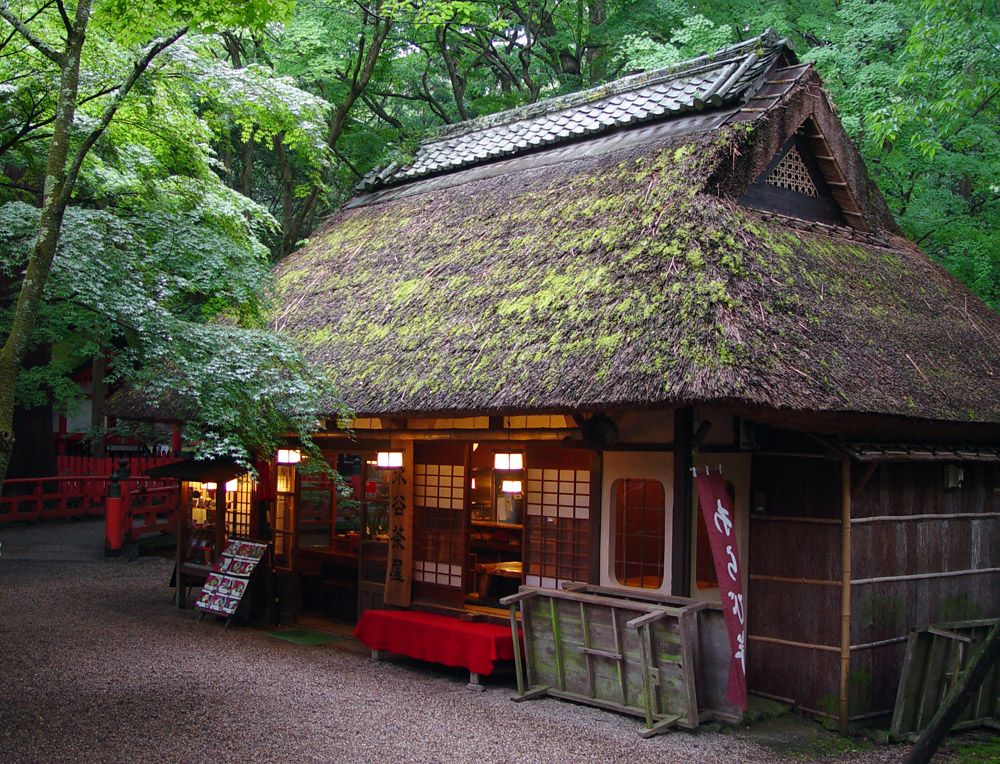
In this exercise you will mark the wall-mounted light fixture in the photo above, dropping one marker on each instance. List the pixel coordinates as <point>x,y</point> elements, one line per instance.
<point>510,486</point>
<point>508,462</point>
<point>289,456</point>
<point>389,460</point>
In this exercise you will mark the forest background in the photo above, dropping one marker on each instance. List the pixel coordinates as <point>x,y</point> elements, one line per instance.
<point>234,129</point>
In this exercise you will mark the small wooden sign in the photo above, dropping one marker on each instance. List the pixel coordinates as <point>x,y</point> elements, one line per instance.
<point>399,570</point>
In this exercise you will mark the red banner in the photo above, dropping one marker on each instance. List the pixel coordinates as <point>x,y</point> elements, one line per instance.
<point>717,508</point>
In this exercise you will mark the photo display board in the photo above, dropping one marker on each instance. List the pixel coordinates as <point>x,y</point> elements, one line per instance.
<point>230,576</point>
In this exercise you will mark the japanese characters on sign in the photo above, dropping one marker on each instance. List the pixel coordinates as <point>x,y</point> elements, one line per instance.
<point>717,509</point>
<point>398,575</point>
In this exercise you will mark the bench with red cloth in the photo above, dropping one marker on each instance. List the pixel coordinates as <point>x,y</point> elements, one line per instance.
<point>475,646</point>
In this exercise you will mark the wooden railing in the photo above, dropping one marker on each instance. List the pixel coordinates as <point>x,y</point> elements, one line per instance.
<point>102,466</point>
<point>151,508</point>
<point>52,498</point>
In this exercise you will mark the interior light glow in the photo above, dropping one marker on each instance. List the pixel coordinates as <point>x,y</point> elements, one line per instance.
<point>289,456</point>
<point>389,460</point>
<point>508,462</point>
<point>510,486</point>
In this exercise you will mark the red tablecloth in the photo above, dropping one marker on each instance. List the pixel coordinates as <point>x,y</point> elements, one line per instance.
<point>436,638</point>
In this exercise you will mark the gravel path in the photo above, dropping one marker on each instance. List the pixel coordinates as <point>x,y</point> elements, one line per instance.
<point>97,665</point>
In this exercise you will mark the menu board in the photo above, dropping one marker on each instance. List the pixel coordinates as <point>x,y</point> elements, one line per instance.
<point>226,584</point>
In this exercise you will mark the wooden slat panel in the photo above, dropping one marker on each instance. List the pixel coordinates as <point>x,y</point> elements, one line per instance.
<point>933,661</point>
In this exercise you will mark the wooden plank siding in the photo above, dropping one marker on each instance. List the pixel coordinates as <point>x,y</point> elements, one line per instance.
<point>906,522</point>
<point>794,590</point>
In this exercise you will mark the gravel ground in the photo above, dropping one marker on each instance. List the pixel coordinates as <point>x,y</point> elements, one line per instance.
<point>97,665</point>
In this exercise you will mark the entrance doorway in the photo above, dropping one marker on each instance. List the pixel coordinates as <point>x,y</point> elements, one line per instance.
<point>496,525</point>
<point>342,536</point>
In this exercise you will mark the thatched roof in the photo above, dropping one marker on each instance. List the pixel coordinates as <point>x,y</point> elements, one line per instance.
<point>621,271</point>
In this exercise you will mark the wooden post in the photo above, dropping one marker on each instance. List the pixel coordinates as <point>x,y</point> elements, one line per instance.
<point>220,517</point>
<point>112,520</point>
<point>680,567</point>
<point>175,439</point>
<point>843,714</point>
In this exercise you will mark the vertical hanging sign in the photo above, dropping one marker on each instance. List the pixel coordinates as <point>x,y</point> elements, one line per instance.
<point>717,508</point>
<point>399,569</point>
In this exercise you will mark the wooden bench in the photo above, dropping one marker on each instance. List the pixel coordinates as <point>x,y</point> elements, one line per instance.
<point>439,639</point>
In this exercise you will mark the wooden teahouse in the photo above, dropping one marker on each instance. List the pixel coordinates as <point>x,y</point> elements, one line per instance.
<point>552,315</point>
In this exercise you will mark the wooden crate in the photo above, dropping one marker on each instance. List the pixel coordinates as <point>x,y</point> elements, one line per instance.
<point>936,656</point>
<point>630,655</point>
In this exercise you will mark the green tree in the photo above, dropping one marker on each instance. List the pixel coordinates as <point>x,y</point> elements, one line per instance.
<point>56,35</point>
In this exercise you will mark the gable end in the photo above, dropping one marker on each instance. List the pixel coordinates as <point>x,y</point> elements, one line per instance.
<point>794,184</point>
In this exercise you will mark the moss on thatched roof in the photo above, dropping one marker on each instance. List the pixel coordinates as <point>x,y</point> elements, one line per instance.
<point>618,280</point>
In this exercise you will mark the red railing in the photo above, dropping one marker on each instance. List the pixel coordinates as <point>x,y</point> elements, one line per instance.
<point>151,509</point>
<point>103,465</point>
<point>52,498</point>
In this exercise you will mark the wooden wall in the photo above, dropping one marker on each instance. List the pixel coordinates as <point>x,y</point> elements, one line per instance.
<point>906,522</point>
<point>794,589</point>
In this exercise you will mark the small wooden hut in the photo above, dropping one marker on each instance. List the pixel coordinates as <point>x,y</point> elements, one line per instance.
<point>550,315</point>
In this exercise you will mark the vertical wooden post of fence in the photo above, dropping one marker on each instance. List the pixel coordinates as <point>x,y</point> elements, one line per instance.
<point>843,715</point>
<point>113,518</point>
<point>175,439</point>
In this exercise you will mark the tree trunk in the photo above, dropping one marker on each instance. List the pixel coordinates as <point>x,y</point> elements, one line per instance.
<point>26,311</point>
<point>287,198</point>
<point>454,76</point>
<point>34,454</point>
<point>99,387</point>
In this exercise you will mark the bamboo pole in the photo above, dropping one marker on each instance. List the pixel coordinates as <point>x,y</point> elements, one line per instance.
<point>845,592</point>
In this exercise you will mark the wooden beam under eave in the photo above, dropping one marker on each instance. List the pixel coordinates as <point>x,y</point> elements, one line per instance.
<point>482,436</point>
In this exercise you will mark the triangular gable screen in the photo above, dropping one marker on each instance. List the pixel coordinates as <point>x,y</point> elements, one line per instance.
<point>792,173</point>
<point>803,180</point>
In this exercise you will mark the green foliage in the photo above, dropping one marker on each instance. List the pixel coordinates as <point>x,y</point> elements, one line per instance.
<point>158,258</point>
<point>244,134</point>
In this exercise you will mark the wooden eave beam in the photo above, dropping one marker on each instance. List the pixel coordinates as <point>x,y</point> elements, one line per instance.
<point>526,434</point>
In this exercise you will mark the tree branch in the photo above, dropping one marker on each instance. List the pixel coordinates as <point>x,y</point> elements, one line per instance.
<point>35,42</point>
<point>138,69</point>
<point>65,18</point>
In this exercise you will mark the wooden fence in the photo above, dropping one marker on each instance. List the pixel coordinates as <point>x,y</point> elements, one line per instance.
<point>102,466</point>
<point>936,658</point>
<point>151,507</point>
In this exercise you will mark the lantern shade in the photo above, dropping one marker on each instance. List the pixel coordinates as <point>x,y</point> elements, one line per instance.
<point>389,460</point>
<point>289,456</point>
<point>508,461</point>
<point>510,486</point>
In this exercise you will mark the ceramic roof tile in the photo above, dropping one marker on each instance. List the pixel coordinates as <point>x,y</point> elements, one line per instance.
<point>704,82</point>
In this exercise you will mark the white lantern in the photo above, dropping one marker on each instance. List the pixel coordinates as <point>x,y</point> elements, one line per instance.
<point>510,486</point>
<point>231,486</point>
<point>508,462</point>
<point>389,460</point>
<point>289,456</point>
